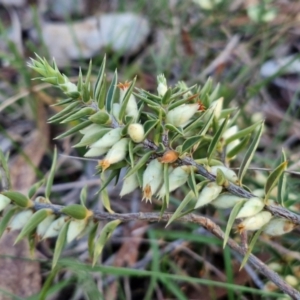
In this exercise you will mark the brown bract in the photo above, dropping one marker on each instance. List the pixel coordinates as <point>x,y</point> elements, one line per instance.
<point>169,156</point>
<point>124,86</point>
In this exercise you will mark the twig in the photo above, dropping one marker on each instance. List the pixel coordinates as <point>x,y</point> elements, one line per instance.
<point>192,218</point>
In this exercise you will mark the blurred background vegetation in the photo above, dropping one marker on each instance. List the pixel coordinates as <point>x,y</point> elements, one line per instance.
<point>250,47</point>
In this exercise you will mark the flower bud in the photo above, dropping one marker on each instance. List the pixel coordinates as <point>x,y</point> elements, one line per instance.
<point>76,211</point>
<point>180,115</point>
<point>255,222</point>
<point>291,280</point>
<point>55,227</point>
<point>253,206</point>
<point>278,226</point>
<point>44,225</point>
<point>226,200</point>
<point>276,267</point>
<point>19,220</point>
<point>18,199</point>
<point>109,139</point>
<point>177,178</point>
<point>96,151</point>
<point>4,201</point>
<point>130,184</point>
<point>162,85</point>
<point>169,157</point>
<point>136,132</point>
<point>115,154</point>
<point>230,175</point>
<point>210,192</point>
<point>75,228</point>
<point>152,179</point>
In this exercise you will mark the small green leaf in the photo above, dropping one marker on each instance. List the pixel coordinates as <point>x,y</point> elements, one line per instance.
<point>126,99</point>
<point>242,133</point>
<point>33,222</point>
<point>106,182</point>
<point>75,211</point>
<point>227,111</point>
<point>83,196</point>
<point>231,220</point>
<point>149,125</point>
<point>208,123</point>
<point>166,182</point>
<point>105,199</point>
<point>91,239</point>
<point>142,161</point>
<point>238,148</point>
<point>18,199</point>
<point>249,154</point>
<point>192,182</point>
<point>111,93</point>
<point>251,246</point>
<point>101,118</point>
<point>74,129</point>
<point>189,197</point>
<point>62,102</point>
<point>130,151</point>
<point>172,128</point>
<point>206,88</point>
<point>33,189</point>
<point>99,81</point>
<point>89,139</point>
<point>214,142</point>
<point>84,112</point>
<point>145,99</point>
<point>105,234</point>
<point>102,95</point>
<point>60,243</point>
<point>273,179</point>
<point>167,97</point>
<point>6,218</point>
<point>6,176</point>
<point>51,175</point>
<point>215,94</point>
<point>63,112</point>
<point>189,143</point>
<point>282,182</point>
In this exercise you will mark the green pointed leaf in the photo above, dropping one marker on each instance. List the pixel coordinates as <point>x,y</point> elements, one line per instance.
<point>74,129</point>
<point>63,102</point>
<point>282,182</point>
<point>154,97</point>
<point>166,182</point>
<point>187,199</point>
<point>89,72</point>
<point>102,95</point>
<point>250,153</point>
<point>106,182</point>
<point>34,188</point>
<point>167,97</point>
<point>101,118</point>
<point>242,133</point>
<point>238,148</point>
<point>33,222</point>
<point>206,88</point>
<point>67,115</point>
<point>4,168</point>
<point>51,175</point>
<point>18,198</point>
<point>236,209</point>
<point>6,218</point>
<point>227,111</point>
<point>126,99</point>
<point>111,93</point>
<point>250,247</point>
<point>208,123</point>
<point>105,199</point>
<point>215,94</point>
<point>91,239</point>
<point>88,140</point>
<point>145,99</point>
<point>84,112</point>
<point>172,128</point>
<point>83,196</point>
<point>80,81</point>
<point>130,150</point>
<point>99,81</point>
<point>65,111</point>
<point>192,182</point>
<point>105,234</point>
<point>149,125</point>
<point>214,142</point>
<point>142,161</point>
<point>60,243</point>
<point>47,284</point>
<point>189,143</point>
<point>273,179</point>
